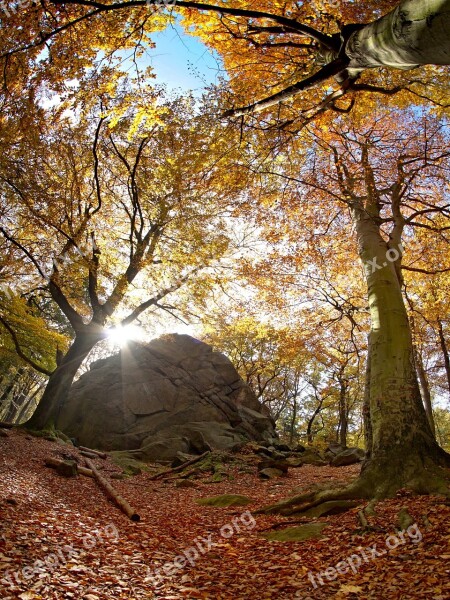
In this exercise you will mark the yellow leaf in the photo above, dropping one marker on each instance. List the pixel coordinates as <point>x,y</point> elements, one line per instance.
<point>350,589</point>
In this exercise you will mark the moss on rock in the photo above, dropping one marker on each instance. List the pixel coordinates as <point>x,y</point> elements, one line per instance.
<point>225,500</point>
<point>129,465</point>
<point>296,534</point>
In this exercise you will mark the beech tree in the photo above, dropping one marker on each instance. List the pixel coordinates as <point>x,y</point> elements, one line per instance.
<point>279,56</point>
<point>328,42</point>
<point>113,222</point>
<point>392,184</point>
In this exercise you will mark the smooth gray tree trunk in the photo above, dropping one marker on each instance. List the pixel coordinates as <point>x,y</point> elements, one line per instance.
<point>416,32</point>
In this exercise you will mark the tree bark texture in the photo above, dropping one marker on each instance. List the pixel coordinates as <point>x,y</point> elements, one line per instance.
<point>401,439</point>
<point>60,381</point>
<point>416,32</point>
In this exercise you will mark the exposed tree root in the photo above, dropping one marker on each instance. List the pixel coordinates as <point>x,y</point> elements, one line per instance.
<point>300,504</point>
<point>369,510</point>
<point>375,483</point>
<point>404,519</point>
<point>363,520</point>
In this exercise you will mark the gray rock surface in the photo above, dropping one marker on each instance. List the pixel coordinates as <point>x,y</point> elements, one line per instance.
<point>349,456</point>
<point>311,456</point>
<point>270,473</point>
<point>171,395</point>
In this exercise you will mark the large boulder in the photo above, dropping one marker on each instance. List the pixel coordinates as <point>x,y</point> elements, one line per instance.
<point>171,395</point>
<point>349,456</point>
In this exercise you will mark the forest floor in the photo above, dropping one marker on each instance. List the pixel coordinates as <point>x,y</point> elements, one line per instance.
<point>60,538</point>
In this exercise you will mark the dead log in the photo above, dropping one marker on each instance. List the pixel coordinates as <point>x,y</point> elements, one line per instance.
<point>88,454</point>
<point>97,452</point>
<point>179,468</point>
<point>112,494</point>
<point>66,468</point>
<point>55,463</point>
<point>84,471</point>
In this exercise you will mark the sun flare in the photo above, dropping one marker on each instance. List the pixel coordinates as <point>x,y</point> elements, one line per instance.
<point>119,336</point>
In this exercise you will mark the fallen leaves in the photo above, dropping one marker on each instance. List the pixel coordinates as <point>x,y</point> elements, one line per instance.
<point>350,589</point>
<point>50,513</point>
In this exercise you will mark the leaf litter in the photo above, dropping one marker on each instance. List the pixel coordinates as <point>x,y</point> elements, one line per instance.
<point>60,538</point>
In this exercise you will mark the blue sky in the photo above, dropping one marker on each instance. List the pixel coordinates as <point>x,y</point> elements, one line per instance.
<point>182,61</point>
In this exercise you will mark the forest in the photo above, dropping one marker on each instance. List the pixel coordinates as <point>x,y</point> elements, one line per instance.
<point>273,241</point>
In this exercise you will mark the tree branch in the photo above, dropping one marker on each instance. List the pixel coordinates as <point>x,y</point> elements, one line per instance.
<point>376,89</point>
<point>19,352</point>
<point>25,251</point>
<point>59,297</point>
<point>333,68</point>
<point>43,38</point>
<point>425,271</point>
<point>96,162</point>
<point>154,301</point>
<point>93,276</point>
<point>325,40</point>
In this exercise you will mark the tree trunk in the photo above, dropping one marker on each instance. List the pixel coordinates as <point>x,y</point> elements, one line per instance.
<point>60,381</point>
<point>366,406</point>
<point>423,380</point>
<point>402,444</point>
<point>309,436</point>
<point>343,413</point>
<point>309,432</point>
<point>293,421</point>
<point>26,408</point>
<point>444,351</point>
<point>11,384</point>
<point>416,32</point>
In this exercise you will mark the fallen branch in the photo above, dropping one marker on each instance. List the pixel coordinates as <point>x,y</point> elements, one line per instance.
<point>180,467</point>
<point>284,523</point>
<point>89,454</point>
<point>97,452</point>
<point>185,475</point>
<point>55,463</point>
<point>112,494</point>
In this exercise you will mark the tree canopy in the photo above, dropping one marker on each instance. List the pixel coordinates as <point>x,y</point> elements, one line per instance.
<point>328,136</point>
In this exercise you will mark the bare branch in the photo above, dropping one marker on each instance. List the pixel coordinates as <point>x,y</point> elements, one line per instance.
<point>25,251</point>
<point>155,300</point>
<point>425,271</point>
<point>96,161</point>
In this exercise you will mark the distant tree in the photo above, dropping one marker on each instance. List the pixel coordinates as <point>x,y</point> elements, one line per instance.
<point>268,358</point>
